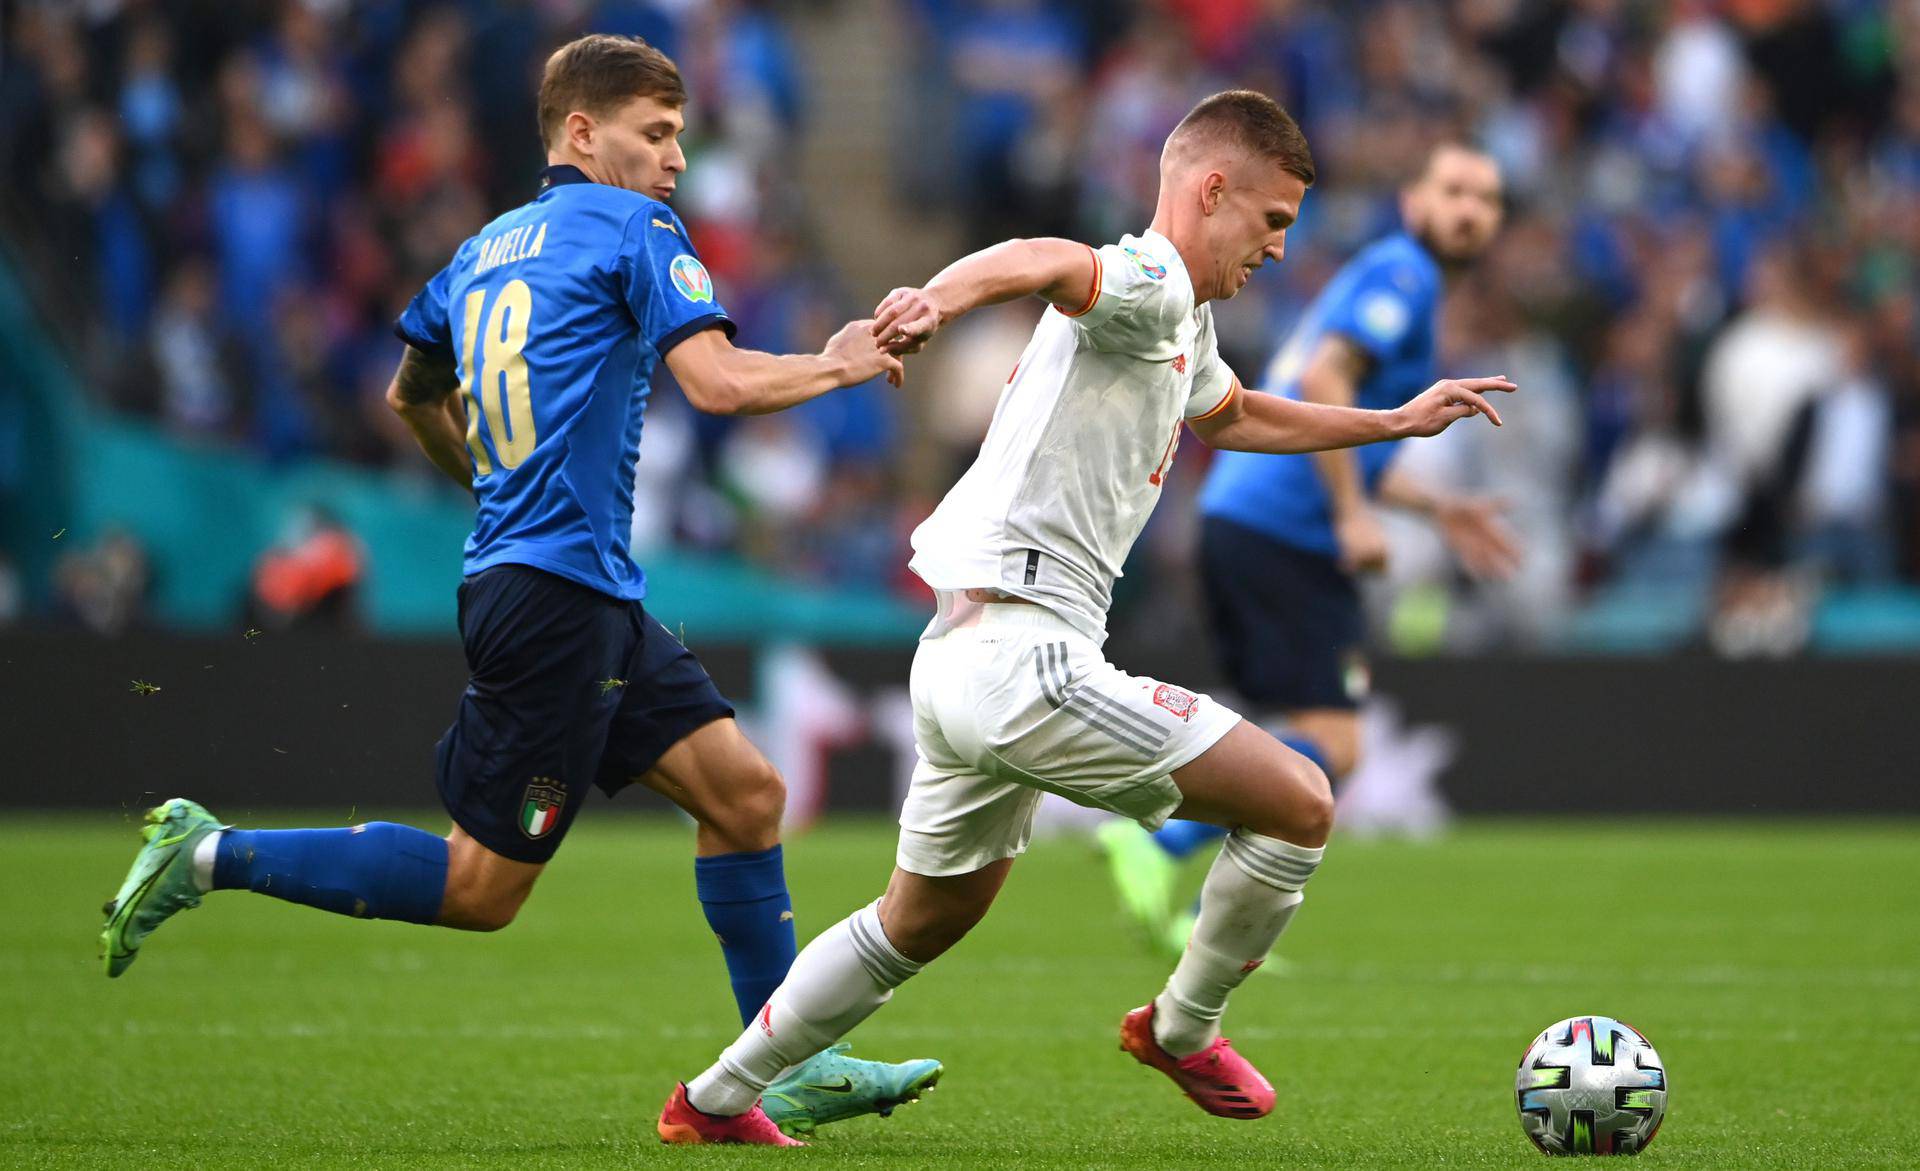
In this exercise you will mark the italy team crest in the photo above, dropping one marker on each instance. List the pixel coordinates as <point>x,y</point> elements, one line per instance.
<point>540,810</point>
<point>690,277</point>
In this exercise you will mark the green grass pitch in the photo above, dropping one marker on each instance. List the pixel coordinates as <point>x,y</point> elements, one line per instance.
<point>1775,966</point>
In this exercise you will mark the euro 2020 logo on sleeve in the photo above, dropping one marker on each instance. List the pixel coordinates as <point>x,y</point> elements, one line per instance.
<point>1154,271</point>
<point>690,278</point>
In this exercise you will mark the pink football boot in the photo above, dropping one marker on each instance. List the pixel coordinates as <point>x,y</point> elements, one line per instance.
<point>681,1123</point>
<point>1220,1081</point>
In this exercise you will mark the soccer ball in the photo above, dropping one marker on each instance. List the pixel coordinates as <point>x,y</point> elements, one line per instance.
<point>1591,1086</point>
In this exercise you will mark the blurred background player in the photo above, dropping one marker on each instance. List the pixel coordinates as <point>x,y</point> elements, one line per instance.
<point>525,378</point>
<point>1284,538</point>
<point>1012,695</point>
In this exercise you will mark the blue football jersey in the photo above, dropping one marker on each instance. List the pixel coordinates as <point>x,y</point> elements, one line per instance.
<point>1385,301</point>
<point>555,315</point>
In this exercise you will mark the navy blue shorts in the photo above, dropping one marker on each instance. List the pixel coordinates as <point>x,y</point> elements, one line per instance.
<point>569,687</point>
<point>1287,624</point>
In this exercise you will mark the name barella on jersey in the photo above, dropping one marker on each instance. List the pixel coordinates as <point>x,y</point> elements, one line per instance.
<point>1384,300</point>
<point>556,315</point>
<point>1081,440</point>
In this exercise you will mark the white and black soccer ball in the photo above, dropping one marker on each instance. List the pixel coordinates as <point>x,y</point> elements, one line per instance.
<point>1591,1085</point>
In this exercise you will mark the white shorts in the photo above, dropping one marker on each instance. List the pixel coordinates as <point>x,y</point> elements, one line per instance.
<point>1022,703</point>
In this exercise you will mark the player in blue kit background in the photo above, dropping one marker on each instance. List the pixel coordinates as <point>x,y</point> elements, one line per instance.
<point>525,377</point>
<point>1283,537</point>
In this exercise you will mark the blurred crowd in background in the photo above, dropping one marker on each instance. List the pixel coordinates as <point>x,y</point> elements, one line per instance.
<point>1706,286</point>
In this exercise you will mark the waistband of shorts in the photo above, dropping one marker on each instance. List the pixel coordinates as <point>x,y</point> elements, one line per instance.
<point>954,611</point>
<point>1030,616</point>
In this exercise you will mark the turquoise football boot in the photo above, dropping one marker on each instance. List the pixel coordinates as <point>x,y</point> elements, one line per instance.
<point>1143,875</point>
<point>160,882</point>
<point>832,1087</point>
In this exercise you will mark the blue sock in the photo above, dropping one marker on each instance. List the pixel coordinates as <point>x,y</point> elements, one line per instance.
<point>1181,838</point>
<point>747,905</point>
<point>375,871</point>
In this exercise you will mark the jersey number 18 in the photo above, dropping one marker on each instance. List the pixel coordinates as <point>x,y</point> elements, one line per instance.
<point>503,394</point>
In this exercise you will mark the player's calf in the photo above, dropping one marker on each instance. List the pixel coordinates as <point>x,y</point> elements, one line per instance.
<point>1251,894</point>
<point>842,978</point>
<point>925,916</point>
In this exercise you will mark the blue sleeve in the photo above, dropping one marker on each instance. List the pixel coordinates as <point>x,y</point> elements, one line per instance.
<point>424,325</point>
<point>1380,309</point>
<point>667,287</point>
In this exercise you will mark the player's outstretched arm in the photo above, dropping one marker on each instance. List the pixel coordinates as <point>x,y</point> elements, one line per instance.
<point>722,380</point>
<point>422,394</point>
<point>1060,271</point>
<point>1282,426</point>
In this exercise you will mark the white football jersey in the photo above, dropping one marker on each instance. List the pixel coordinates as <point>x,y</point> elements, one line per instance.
<point>1083,436</point>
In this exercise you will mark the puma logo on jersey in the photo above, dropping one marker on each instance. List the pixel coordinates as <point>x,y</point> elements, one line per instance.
<point>660,223</point>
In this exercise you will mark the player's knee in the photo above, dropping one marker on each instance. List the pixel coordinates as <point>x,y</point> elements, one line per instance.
<point>1315,817</point>
<point>1301,811</point>
<point>749,812</point>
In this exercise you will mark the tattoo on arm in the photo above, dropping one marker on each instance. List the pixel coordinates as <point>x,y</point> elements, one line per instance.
<point>424,379</point>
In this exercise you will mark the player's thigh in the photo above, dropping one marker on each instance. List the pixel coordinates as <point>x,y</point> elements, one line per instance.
<point>955,818</point>
<point>1249,779</point>
<point>924,915</point>
<point>527,737</point>
<point>725,784</point>
<point>675,733</point>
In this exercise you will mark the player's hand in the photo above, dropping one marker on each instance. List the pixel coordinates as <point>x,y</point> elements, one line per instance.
<point>906,319</point>
<point>1477,530</point>
<point>863,356</point>
<point>1363,543</point>
<point>1450,400</point>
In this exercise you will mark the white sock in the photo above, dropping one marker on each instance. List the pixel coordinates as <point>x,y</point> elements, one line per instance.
<point>203,852</point>
<point>1249,898</point>
<point>837,981</point>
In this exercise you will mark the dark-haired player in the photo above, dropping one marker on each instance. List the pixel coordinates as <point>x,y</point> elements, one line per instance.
<point>1012,696</point>
<point>1283,536</point>
<point>525,377</point>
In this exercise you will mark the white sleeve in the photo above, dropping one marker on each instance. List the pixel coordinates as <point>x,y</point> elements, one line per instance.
<point>1214,382</point>
<point>1132,309</point>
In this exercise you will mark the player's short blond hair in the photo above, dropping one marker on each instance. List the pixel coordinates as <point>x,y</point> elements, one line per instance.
<point>1249,121</point>
<point>598,74</point>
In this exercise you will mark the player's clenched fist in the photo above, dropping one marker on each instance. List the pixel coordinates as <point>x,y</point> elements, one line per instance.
<point>859,348</point>
<point>906,319</point>
<point>1440,405</point>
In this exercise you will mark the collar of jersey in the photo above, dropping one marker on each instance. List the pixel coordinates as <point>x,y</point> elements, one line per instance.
<point>561,173</point>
